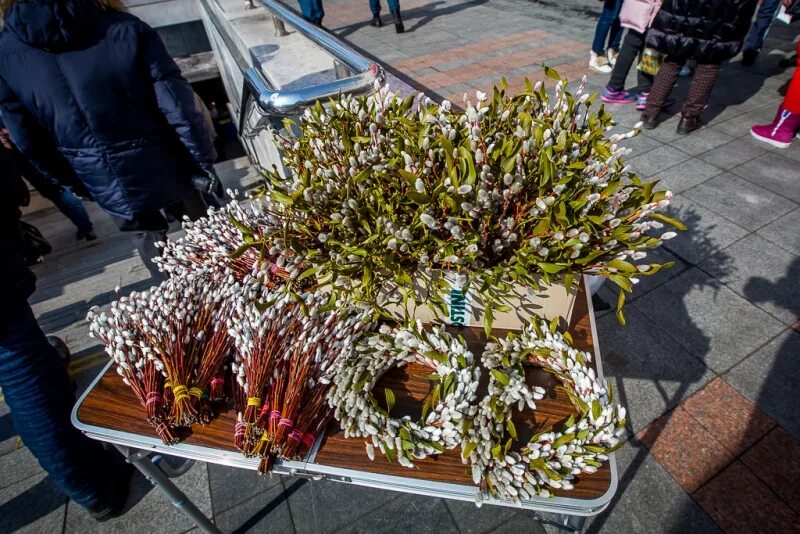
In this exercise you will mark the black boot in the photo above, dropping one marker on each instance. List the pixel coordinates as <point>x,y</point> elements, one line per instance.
<point>376,21</point>
<point>688,125</point>
<point>398,22</point>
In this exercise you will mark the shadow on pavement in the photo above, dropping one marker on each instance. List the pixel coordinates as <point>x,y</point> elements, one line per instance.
<point>690,335</point>
<point>273,504</point>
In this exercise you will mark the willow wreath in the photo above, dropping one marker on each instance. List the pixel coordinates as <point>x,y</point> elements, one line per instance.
<point>451,402</point>
<point>551,459</point>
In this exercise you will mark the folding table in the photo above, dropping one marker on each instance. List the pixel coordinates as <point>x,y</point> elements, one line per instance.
<point>108,411</point>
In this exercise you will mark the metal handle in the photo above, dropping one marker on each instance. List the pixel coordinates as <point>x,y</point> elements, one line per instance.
<point>292,101</point>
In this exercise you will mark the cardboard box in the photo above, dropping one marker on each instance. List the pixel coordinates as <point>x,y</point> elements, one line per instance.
<point>467,308</point>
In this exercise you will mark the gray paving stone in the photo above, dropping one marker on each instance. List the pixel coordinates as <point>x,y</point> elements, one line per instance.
<point>774,172</point>
<point>733,127</point>
<point>9,441</point>
<point>640,144</point>
<point>231,486</point>
<point>657,160</point>
<point>699,144</point>
<point>407,513</point>
<point>18,465</point>
<point>784,232</point>
<point>738,200</point>
<point>658,255</point>
<point>266,512</point>
<point>770,376</point>
<point>688,174</point>
<point>148,510</point>
<point>707,233</point>
<point>649,500</point>
<point>473,520</point>
<point>649,371</point>
<point>764,274</point>
<point>666,130</point>
<point>34,505</point>
<point>713,323</point>
<point>520,522</point>
<point>732,154</point>
<point>323,506</point>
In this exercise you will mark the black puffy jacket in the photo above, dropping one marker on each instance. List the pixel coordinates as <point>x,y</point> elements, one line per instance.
<point>97,87</point>
<point>709,31</point>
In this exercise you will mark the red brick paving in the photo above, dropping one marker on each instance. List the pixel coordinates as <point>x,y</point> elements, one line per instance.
<point>739,502</point>
<point>737,464</point>
<point>686,450</point>
<point>733,420</point>
<point>776,461</point>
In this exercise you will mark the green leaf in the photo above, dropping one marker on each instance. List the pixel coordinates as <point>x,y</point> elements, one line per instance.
<point>620,304</point>
<point>500,376</point>
<point>467,449</point>
<point>551,268</point>
<point>551,73</point>
<point>488,319</point>
<point>241,250</point>
<point>389,399</point>
<point>282,198</point>
<point>596,409</point>
<point>309,272</point>
<point>497,451</point>
<point>566,438</point>
<point>622,265</point>
<point>669,220</point>
<point>512,430</point>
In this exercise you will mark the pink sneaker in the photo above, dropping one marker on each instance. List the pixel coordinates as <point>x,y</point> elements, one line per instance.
<point>781,132</point>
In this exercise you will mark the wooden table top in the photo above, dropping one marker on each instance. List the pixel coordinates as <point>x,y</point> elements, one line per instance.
<point>112,405</point>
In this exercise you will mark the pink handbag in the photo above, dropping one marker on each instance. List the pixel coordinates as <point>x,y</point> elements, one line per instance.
<point>639,14</point>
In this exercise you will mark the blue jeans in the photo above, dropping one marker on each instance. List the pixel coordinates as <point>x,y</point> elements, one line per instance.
<point>375,6</point>
<point>36,387</point>
<point>608,27</point>
<point>72,207</point>
<point>758,31</point>
<point>312,10</point>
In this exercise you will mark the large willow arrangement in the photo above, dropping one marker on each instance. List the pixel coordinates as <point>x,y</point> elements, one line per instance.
<point>517,189</point>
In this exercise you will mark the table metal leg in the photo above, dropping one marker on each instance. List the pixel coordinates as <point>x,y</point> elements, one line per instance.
<point>571,523</point>
<point>141,461</point>
<point>568,523</point>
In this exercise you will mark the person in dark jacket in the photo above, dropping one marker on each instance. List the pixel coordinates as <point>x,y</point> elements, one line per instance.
<point>59,193</point>
<point>709,31</point>
<point>35,382</point>
<point>84,80</point>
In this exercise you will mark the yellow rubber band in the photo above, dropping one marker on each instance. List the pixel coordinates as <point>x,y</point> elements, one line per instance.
<point>265,437</point>
<point>196,392</point>
<point>180,392</point>
<point>254,401</point>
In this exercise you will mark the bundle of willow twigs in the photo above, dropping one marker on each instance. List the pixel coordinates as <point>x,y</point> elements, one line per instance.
<point>120,332</point>
<point>284,355</point>
<point>171,346</point>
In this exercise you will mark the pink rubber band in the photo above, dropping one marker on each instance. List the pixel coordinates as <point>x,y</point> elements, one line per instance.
<point>216,381</point>
<point>153,397</point>
<point>286,422</point>
<point>239,429</point>
<point>296,435</point>
<point>275,415</point>
<point>309,439</point>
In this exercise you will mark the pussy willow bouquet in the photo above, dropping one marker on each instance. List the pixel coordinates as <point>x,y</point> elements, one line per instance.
<point>517,189</point>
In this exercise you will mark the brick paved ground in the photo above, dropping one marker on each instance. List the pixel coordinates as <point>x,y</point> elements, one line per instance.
<point>708,364</point>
